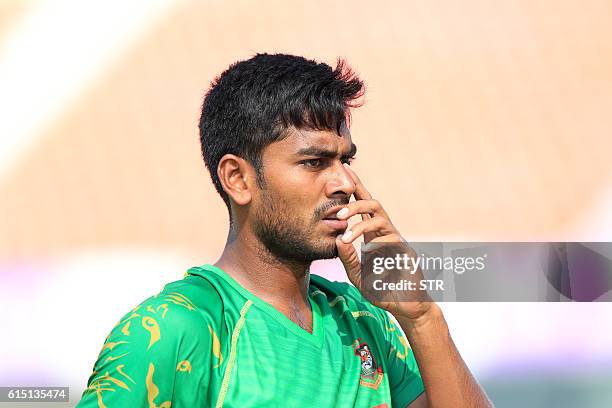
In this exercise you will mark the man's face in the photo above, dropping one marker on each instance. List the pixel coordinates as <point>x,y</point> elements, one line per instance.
<point>305,184</point>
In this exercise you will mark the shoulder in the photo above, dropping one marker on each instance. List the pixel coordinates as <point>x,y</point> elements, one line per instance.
<point>335,288</point>
<point>191,294</point>
<point>165,336</point>
<point>348,295</point>
<point>178,312</point>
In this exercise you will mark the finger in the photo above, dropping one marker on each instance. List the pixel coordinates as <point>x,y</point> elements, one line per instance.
<point>348,256</point>
<point>370,207</point>
<point>361,193</point>
<point>379,226</point>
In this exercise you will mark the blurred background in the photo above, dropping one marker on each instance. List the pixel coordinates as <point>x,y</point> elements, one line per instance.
<point>482,121</point>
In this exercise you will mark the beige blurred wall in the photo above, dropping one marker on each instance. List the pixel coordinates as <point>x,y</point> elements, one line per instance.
<point>483,120</point>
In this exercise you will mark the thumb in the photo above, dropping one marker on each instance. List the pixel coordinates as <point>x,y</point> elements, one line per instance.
<point>348,256</point>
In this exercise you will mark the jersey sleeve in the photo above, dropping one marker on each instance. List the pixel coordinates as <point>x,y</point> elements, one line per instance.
<point>161,346</point>
<point>405,382</point>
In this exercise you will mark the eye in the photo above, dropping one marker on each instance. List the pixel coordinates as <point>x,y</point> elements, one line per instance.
<point>312,163</point>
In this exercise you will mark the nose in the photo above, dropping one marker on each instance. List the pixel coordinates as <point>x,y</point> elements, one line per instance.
<point>340,182</point>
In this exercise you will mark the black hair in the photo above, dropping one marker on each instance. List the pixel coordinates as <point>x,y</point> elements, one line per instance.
<point>253,103</point>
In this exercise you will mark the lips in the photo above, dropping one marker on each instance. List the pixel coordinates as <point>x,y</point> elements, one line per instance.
<point>331,214</point>
<point>335,223</point>
<point>332,221</point>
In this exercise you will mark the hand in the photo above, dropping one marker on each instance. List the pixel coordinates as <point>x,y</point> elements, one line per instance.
<point>375,226</point>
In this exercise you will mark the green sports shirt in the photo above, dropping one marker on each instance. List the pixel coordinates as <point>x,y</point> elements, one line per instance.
<point>205,341</point>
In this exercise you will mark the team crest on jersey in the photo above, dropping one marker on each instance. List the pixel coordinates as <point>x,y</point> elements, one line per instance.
<point>371,373</point>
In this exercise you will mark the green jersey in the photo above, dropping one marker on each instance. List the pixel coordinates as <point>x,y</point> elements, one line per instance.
<point>205,341</point>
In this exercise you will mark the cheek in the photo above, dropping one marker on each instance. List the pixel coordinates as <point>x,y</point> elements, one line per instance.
<point>296,194</point>
<point>288,205</point>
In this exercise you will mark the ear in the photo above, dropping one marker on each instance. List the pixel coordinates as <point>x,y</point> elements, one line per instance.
<point>237,177</point>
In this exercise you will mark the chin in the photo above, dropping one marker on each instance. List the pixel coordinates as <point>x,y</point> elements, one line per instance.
<point>329,253</point>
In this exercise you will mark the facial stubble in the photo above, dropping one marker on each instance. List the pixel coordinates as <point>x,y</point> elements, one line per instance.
<point>288,238</point>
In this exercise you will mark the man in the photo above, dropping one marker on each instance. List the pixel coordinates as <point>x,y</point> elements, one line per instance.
<point>255,328</point>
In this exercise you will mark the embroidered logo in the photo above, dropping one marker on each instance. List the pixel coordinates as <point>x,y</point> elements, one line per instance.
<point>371,373</point>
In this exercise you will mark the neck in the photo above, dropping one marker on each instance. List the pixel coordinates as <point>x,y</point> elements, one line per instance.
<point>282,283</point>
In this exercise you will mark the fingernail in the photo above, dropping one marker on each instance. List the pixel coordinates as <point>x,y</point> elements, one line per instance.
<point>347,235</point>
<point>342,212</point>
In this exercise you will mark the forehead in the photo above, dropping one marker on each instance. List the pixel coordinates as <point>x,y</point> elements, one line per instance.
<point>330,139</point>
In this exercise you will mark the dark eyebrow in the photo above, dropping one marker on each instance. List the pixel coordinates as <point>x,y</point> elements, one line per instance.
<point>328,154</point>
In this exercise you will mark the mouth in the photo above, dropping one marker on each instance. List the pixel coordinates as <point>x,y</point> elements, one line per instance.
<point>332,221</point>
<point>335,224</point>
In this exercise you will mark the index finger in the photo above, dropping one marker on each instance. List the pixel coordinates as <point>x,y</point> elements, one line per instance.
<point>361,193</point>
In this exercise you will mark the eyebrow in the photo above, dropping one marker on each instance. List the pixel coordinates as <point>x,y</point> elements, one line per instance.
<point>328,154</point>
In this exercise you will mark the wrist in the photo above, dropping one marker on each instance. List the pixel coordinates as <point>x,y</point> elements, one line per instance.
<point>432,316</point>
